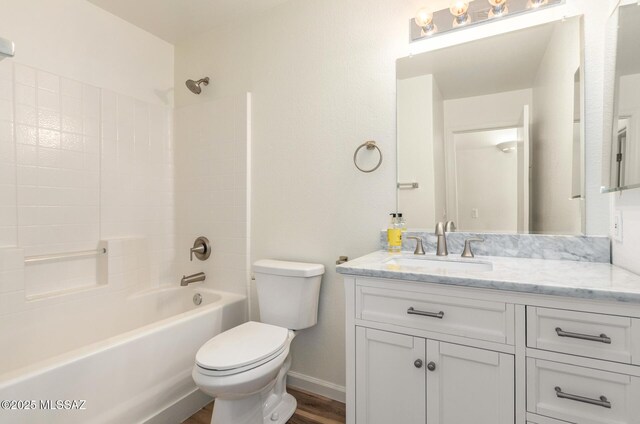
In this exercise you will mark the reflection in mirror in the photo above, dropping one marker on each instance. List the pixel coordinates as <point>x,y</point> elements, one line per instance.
<point>494,145</point>
<point>623,145</point>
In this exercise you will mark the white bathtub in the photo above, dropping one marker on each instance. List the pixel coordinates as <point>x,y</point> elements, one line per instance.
<point>124,358</point>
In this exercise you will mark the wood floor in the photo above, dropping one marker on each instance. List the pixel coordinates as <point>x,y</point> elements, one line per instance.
<point>312,409</point>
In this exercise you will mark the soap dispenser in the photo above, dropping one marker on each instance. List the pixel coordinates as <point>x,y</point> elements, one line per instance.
<point>402,223</point>
<point>394,234</point>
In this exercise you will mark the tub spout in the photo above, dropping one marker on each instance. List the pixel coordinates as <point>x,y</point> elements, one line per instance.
<point>190,279</point>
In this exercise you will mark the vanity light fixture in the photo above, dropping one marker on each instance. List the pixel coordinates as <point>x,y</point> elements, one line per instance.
<point>459,9</point>
<point>534,4</point>
<point>428,22</point>
<point>424,19</point>
<point>498,8</point>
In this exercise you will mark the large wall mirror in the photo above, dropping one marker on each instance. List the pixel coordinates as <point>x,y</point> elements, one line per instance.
<point>490,133</point>
<point>622,126</point>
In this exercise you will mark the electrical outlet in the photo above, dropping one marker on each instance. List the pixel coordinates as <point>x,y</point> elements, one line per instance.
<point>474,213</point>
<point>617,226</point>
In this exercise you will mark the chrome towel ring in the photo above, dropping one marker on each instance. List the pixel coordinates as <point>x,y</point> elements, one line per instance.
<point>370,145</point>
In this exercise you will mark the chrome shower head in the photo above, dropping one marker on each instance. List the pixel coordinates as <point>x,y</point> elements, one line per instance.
<point>194,86</point>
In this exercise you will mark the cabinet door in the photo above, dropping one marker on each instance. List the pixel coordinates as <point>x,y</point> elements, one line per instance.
<point>467,385</point>
<point>390,385</point>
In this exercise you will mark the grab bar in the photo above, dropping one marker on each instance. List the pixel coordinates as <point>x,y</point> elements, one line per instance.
<point>69,255</point>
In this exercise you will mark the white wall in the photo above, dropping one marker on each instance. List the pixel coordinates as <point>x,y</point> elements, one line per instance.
<point>552,209</point>
<point>77,40</point>
<point>322,76</point>
<point>627,251</point>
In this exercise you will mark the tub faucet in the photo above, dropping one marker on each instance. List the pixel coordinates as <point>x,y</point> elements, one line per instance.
<point>441,231</point>
<point>194,278</point>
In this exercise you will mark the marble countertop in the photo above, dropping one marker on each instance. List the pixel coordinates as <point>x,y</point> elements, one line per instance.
<point>587,280</point>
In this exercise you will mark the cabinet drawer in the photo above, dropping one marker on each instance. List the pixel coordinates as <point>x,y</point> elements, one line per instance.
<point>477,319</point>
<point>581,395</point>
<point>607,337</point>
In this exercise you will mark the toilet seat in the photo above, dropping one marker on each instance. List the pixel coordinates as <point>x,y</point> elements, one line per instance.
<point>242,348</point>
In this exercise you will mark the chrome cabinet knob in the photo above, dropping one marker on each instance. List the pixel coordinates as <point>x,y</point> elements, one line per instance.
<point>418,363</point>
<point>431,366</point>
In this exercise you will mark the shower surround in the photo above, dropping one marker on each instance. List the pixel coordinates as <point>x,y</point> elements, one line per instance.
<point>86,169</point>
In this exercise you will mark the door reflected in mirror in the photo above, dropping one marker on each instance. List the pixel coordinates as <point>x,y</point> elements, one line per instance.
<point>491,158</point>
<point>491,132</point>
<point>622,146</point>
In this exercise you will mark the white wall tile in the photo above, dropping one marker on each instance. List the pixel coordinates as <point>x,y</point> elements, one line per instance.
<point>210,202</point>
<point>71,139</point>
<point>25,75</point>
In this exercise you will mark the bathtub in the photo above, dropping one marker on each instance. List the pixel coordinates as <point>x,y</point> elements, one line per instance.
<point>117,358</point>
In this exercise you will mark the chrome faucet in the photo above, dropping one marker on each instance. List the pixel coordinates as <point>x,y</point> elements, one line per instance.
<point>194,278</point>
<point>441,230</point>
<point>419,247</point>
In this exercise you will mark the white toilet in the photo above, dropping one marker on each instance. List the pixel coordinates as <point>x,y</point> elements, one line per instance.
<point>245,368</point>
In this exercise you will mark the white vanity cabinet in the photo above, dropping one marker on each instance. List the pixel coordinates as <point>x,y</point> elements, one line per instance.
<point>423,380</point>
<point>423,353</point>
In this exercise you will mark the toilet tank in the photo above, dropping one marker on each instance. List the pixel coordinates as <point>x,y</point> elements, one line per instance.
<point>288,292</point>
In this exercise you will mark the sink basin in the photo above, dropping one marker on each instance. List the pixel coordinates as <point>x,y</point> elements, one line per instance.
<point>431,264</point>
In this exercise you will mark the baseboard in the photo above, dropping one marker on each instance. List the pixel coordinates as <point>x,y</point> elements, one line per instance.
<point>317,386</point>
<point>182,409</point>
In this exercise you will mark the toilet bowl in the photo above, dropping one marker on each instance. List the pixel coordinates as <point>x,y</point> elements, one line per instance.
<point>245,368</point>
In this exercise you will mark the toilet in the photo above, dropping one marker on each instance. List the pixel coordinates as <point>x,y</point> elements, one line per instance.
<point>245,368</point>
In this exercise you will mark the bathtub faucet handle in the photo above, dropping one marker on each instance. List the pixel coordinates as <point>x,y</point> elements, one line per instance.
<point>201,248</point>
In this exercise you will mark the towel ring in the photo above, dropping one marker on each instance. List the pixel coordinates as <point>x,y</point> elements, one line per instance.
<point>370,145</point>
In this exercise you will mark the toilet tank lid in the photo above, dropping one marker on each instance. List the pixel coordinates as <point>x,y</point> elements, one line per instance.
<point>288,269</point>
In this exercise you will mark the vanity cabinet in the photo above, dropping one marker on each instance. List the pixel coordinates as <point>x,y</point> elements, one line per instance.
<point>423,353</point>
<point>424,381</point>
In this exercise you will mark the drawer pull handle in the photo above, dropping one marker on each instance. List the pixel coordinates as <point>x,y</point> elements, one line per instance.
<point>602,338</point>
<point>438,315</point>
<point>598,402</point>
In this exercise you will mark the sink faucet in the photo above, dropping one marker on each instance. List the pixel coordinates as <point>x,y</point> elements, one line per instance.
<point>441,230</point>
<point>194,278</point>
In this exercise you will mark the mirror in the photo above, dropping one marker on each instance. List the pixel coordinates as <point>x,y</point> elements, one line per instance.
<point>490,133</point>
<point>622,130</point>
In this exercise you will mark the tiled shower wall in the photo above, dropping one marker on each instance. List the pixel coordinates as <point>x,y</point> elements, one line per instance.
<point>212,181</point>
<point>79,164</point>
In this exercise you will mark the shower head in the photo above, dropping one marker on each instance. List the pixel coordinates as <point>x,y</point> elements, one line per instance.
<point>194,86</point>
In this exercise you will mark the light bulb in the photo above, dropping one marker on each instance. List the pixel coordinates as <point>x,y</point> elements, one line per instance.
<point>534,4</point>
<point>498,8</point>
<point>459,10</point>
<point>424,19</point>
